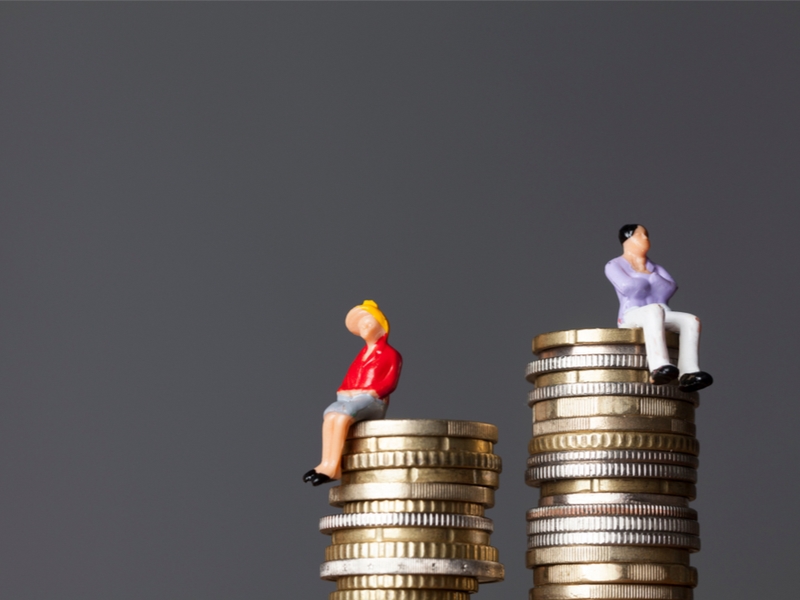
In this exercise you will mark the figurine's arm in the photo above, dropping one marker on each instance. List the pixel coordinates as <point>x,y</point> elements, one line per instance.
<point>621,281</point>
<point>387,376</point>
<point>663,273</point>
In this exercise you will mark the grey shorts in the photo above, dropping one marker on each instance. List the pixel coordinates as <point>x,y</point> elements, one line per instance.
<point>362,407</point>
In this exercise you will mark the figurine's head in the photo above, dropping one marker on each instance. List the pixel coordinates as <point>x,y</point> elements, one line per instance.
<point>367,321</point>
<point>634,238</point>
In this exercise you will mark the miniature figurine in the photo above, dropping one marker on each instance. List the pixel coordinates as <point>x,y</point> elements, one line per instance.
<point>364,393</point>
<point>644,288</point>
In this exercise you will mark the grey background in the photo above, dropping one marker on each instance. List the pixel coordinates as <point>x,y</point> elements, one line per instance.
<point>193,196</point>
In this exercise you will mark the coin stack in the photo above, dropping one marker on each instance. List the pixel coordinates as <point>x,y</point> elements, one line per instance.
<point>414,494</point>
<point>615,458</point>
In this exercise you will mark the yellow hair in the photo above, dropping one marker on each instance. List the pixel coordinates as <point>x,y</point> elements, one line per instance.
<point>372,308</point>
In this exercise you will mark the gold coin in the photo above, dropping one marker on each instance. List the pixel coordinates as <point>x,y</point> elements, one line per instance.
<point>592,406</point>
<point>424,427</point>
<point>411,491</point>
<point>611,591</point>
<point>398,595</point>
<point>444,535</point>
<point>410,550</point>
<point>580,337</point>
<point>614,440</point>
<point>555,555</point>
<point>645,424</point>
<point>399,443</point>
<point>383,582</point>
<point>414,506</point>
<point>593,376</point>
<point>422,458</point>
<point>662,574</point>
<point>624,486</point>
<point>490,479</point>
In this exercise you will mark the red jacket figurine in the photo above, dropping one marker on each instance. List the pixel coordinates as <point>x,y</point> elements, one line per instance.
<point>364,393</point>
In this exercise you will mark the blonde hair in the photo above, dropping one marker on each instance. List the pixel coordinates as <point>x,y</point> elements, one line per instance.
<point>371,307</point>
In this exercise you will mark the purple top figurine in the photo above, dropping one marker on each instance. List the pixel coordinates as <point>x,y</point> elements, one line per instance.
<point>643,289</point>
<point>635,289</point>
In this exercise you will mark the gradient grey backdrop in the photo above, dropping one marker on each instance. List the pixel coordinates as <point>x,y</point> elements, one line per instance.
<point>193,196</point>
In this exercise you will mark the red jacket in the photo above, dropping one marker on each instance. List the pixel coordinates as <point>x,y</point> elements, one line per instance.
<point>378,372</point>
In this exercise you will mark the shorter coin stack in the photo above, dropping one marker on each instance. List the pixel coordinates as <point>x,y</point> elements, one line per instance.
<point>414,494</point>
<point>616,460</point>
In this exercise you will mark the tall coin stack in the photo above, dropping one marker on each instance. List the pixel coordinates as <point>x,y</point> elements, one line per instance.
<point>414,494</point>
<point>615,458</point>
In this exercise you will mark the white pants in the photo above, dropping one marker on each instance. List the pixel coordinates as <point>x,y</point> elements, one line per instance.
<point>654,319</point>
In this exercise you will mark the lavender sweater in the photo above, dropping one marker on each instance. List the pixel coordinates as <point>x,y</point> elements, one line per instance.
<point>636,289</point>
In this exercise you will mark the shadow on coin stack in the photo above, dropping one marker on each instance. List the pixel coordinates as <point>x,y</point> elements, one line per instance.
<point>414,494</point>
<point>615,458</point>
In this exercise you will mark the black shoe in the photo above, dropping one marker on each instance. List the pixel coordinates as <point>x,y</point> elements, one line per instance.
<point>691,382</point>
<point>319,479</point>
<point>663,375</point>
<point>309,475</point>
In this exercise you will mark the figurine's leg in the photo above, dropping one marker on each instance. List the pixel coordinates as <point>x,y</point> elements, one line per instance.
<point>651,319</point>
<point>334,433</point>
<point>688,326</point>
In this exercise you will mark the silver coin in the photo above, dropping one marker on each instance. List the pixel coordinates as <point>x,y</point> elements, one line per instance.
<point>589,470</point>
<point>586,510</point>
<point>601,349</point>
<point>614,423</point>
<point>585,361</point>
<point>631,456</point>
<point>614,523</point>
<point>610,388</point>
<point>484,571</point>
<point>612,498</point>
<point>452,521</point>
<point>615,538</point>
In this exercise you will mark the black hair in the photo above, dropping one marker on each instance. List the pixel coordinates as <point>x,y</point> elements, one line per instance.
<point>626,231</point>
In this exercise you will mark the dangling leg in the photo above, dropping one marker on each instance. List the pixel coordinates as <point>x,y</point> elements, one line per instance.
<point>688,326</point>
<point>334,434</point>
<point>651,319</point>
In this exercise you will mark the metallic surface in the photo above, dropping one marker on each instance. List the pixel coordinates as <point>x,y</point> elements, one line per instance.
<point>483,571</point>
<point>434,582</point>
<point>600,349</point>
<point>614,523</point>
<point>612,498</point>
<point>410,550</point>
<point>441,535</point>
<point>413,506</point>
<point>632,486</point>
<point>629,591</point>
<point>585,361</point>
<point>555,555</point>
<point>614,440</point>
<point>404,519</point>
<point>400,443</point>
<point>581,470</point>
<point>490,479</point>
<point>585,510</point>
<point>591,376</point>
<point>608,538</point>
<point>422,458</point>
<point>574,337</point>
<point>628,423</point>
<point>626,456</point>
<point>411,491</point>
<point>663,574</point>
<point>398,594</point>
<point>424,427</point>
<point>610,388</point>
<point>590,406</point>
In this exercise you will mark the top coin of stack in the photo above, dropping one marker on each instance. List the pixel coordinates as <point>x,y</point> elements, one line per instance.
<point>414,495</point>
<point>616,460</point>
